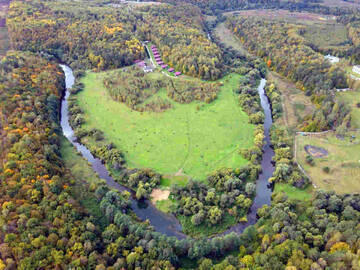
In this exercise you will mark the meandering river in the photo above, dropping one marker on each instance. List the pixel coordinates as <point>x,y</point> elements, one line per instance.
<point>166,223</point>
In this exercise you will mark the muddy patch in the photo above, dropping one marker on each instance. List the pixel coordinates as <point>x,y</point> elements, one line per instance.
<point>316,152</point>
<point>159,195</point>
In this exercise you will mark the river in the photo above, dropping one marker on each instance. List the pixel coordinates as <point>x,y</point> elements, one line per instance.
<point>166,223</point>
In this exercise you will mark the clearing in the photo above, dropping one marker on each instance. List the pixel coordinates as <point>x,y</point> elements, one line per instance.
<point>296,105</point>
<point>228,38</point>
<point>320,30</point>
<point>294,192</point>
<point>352,98</point>
<point>187,140</point>
<point>340,169</point>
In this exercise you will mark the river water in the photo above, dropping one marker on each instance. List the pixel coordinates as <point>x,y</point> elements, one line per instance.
<point>166,223</point>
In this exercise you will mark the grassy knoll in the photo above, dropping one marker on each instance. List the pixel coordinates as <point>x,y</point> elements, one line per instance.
<point>293,192</point>
<point>83,172</point>
<point>189,139</point>
<point>343,161</point>
<point>352,98</point>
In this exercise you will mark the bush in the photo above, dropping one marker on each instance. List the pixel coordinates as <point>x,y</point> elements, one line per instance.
<point>310,160</point>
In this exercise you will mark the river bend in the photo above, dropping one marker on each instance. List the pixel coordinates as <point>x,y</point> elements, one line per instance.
<point>166,223</point>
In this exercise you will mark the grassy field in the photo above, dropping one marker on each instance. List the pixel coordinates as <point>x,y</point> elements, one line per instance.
<point>327,35</point>
<point>352,98</point>
<point>228,38</point>
<point>188,139</point>
<point>343,161</point>
<point>320,30</point>
<point>84,174</point>
<point>293,192</point>
<point>286,15</point>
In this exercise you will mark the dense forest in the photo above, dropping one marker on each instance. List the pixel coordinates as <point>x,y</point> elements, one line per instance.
<point>104,37</point>
<point>85,37</point>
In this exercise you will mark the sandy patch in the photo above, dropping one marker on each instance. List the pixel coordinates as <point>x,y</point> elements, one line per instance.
<point>159,195</point>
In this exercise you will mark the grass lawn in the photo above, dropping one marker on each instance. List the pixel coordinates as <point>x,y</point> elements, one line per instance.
<point>343,160</point>
<point>164,205</point>
<point>84,174</point>
<point>352,98</point>
<point>187,140</point>
<point>168,180</point>
<point>293,192</point>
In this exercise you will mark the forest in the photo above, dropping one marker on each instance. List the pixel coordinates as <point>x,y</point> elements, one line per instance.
<point>105,38</point>
<point>54,218</point>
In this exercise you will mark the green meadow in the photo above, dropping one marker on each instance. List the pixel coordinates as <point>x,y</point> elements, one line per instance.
<point>187,140</point>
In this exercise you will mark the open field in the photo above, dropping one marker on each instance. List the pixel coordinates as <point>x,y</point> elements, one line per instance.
<point>228,38</point>
<point>188,139</point>
<point>296,104</point>
<point>352,98</point>
<point>281,14</point>
<point>320,30</point>
<point>293,192</point>
<point>339,170</point>
<point>328,35</point>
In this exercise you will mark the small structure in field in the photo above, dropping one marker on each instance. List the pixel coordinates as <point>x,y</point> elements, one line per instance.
<point>177,73</point>
<point>171,70</point>
<point>164,66</point>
